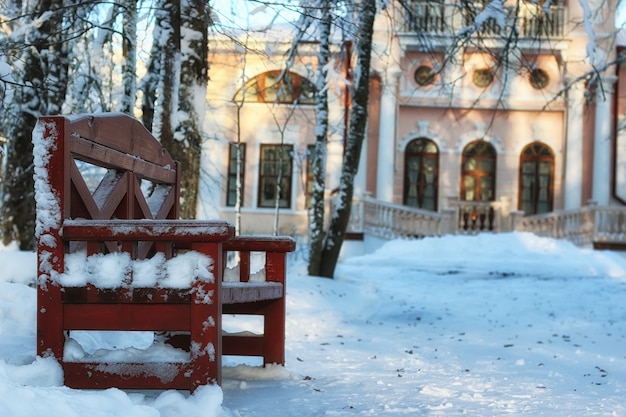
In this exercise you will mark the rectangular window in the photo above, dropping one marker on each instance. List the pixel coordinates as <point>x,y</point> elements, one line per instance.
<point>234,161</point>
<point>275,169</point>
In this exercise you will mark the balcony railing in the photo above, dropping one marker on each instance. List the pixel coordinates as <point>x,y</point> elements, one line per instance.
<point>431,17</point>
<point>589,225</point>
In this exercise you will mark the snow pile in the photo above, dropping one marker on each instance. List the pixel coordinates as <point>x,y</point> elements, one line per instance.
<point>496,254</point>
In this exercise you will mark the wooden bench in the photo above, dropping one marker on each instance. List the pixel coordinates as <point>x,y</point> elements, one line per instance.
<point>106,187</point>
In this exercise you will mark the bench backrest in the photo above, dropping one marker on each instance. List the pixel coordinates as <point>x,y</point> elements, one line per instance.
<point>102,167</point>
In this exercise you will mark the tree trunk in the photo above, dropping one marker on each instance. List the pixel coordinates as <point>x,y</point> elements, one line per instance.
<point>356,135</point>
<point>41,89</point>
<point>150,83</point>
<point>168,15</point>
<point>318,161</point>
<point>130,54</point>
<point>187,145</point>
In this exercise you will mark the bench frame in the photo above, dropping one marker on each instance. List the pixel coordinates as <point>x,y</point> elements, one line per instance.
<point>117,216</point>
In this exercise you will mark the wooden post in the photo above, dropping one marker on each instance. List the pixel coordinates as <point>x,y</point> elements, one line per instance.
<point>206,321</point>
<point>50,247</point>
<point>274,326</point>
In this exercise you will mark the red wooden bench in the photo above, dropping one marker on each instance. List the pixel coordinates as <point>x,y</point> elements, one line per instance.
<point>129,204</point>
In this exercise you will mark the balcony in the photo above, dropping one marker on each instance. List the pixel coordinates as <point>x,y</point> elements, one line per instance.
<point>527,20</point>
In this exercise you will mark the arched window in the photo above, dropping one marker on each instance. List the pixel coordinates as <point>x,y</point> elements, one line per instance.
<point>421,174</point>
<point>277,87</point>
<point>478,172</point>
<point>536,179</point>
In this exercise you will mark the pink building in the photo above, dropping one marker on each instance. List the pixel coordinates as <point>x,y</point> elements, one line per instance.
<point>470,127</point>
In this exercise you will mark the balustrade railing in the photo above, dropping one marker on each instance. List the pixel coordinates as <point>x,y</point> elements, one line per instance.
<point>610,224</point>
<point>394,221</point>
<point>576,226</point>
<point>480,216</point>
<point>440,18</point>
<point>583,227</point>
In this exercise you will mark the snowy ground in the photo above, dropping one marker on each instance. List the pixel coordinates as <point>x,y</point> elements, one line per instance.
<point>491,325</point>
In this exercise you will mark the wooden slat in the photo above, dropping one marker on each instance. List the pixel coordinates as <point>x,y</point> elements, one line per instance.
<point>261,244</point>
<point>242,345</point>
<point>83,203</point>
<point>253,308</point>
<point>91,294</point>
<point>135,317</point>
<point>148,230</point>
<point>604,245</point>
<point>110,194</point>
<point>121,132</point>
<point>151,375</point>
<point>232,293</point>
<point>246,292</point>
<point>106,157</point>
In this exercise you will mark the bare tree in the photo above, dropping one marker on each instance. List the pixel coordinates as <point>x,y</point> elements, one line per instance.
<point>187,147</point>
<point>316,211</point>
<point>181,91</point>
<point>40,72</point>
<point>129,43</point>
<point>340,215</point>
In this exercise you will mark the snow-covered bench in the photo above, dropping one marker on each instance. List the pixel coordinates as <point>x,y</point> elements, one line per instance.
<point>113,255</point>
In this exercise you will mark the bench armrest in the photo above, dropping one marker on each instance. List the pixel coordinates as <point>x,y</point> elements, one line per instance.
<point>260,244</point>
<point>148,230</point>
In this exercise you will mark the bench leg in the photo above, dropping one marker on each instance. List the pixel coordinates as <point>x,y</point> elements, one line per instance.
<point>50,335</point>
<point>274,326</point>
<point>274,333</point>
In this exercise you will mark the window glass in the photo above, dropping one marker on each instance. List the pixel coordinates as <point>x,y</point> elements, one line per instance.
<point>421,174</point>
<point>536,179</point>
<point>233,165</point>
<point>277,87</point>
<point>479,172</point>
<point>275,175</point>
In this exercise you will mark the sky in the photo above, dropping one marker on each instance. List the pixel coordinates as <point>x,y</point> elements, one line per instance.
<point>253,14</point>
<point>487,325</point>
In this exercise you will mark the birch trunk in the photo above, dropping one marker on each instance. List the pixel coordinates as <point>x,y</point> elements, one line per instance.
<point>354,143</point>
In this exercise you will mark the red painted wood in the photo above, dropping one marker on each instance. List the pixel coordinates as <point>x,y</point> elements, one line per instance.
<point>261,244</point>
<point>50,248</point>
<point>175,317</point>
<point>253,308</point>
<point>242,345</point>
<point>91,294</point>
<point>206,321</point>
<point>183,232</point>
<point>244,266</point>
<point>234,292</point>
<point>274,332</point>
<point>274,325</point>
<point>154,375</point>
<point>117,216</point>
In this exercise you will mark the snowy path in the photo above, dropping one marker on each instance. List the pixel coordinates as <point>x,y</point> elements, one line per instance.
<point>496,325</point>
<point>448,343</point>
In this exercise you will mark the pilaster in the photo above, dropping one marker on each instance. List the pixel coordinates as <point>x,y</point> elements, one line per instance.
<point>601,191</point>
<point>387,139</point>
<point>574,147</point>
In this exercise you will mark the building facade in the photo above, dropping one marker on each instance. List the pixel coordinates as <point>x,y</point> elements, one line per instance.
<point>516,106</point>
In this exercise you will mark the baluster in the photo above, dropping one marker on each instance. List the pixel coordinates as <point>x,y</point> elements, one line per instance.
<point>491,216</point>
